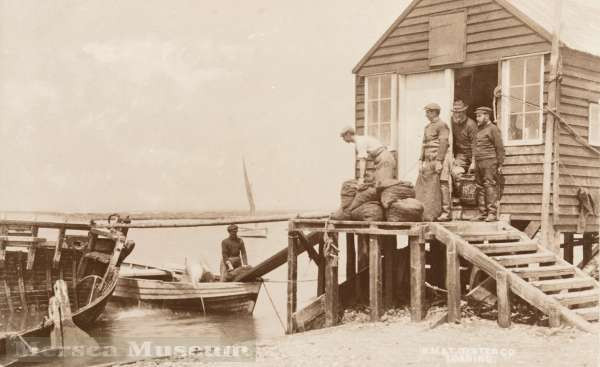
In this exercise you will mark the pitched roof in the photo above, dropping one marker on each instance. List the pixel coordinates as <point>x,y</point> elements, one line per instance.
<point>580,25</point>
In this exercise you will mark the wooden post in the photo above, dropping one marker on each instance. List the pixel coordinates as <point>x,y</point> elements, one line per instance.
<point>389,248</point>
<point>568,247</point>
<point>331,288</point>
<point>437,262</point>
<point>453,282</point>
<point>321,271</point>
<point>554,317</point>
<point>503,293</point>
<point>375,278</point>
<point>58,249</point>
<point>56,335</point>
<point>417,277</point>
<point>292,287</point>
<point>548,238</point>
<point>588,239</point>
<point>362,263</point>
<point>351,262</point>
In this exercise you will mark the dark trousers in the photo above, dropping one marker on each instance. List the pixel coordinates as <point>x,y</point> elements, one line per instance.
<point>486,178</point>
<point>486,173</point>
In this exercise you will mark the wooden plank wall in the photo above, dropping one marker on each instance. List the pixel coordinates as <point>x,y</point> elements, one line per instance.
<point>579,167</point>
<point>492,33</point>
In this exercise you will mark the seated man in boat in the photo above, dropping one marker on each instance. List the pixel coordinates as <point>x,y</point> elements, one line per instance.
<point>234,260</point>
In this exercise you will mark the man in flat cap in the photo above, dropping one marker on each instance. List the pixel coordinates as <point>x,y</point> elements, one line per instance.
<point>369,147</point>
<point>488,150</point>
<point>234,255</point>
<point>464,131</point>
<point>434,170</point>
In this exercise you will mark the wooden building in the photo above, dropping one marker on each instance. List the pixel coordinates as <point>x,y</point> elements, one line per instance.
<point>442,50</point>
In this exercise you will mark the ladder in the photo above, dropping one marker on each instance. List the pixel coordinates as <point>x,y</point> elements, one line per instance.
<point>536,274</point>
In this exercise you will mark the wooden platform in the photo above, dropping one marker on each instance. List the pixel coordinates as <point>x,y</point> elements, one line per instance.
<point>518,264</point>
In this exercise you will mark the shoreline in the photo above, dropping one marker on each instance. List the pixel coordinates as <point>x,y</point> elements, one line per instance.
<point>396,341</point>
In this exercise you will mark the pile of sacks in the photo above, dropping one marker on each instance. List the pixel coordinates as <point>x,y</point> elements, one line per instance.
<point>391,200</point>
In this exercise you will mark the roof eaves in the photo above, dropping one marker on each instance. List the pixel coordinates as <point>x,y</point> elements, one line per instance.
<point>389,31</point>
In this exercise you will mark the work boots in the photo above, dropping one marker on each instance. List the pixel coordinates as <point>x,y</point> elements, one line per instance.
<point>445,216</point>
<point>480,205</point>
<point>491,196</point>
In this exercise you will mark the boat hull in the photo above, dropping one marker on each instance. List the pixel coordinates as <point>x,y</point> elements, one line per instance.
<point>210,297</point>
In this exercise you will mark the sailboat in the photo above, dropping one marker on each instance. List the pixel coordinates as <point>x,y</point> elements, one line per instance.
<point>253,231</point>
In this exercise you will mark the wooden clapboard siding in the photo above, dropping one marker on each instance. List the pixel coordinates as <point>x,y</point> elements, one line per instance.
<point>579,166</point>
<point>492,33</point>
<point>359,98</point>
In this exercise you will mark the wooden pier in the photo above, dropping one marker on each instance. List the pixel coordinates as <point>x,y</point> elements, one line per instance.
<point>499,251</point>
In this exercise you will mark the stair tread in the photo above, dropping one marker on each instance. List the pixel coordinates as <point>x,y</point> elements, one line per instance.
<point>567,295</point>
<point>544,271</point>
<point>544,268</point>
<point>588,313</point>
<point>560,284</point>
<point>494,248</point>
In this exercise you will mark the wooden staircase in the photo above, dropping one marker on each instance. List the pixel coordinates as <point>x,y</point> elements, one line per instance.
<point>545,280</point>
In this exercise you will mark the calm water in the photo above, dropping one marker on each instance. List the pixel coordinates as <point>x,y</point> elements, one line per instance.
<point>170,247</point>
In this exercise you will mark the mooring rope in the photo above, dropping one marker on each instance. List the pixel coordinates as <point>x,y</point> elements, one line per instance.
<point>273,305</point>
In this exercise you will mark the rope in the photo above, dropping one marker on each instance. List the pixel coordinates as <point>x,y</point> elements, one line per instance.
<point>273,305</point>
<point>288,281</point>
<point>578,137</point>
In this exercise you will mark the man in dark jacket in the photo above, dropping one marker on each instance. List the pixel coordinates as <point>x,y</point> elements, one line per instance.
<point>234,254</point>
<point>488,152</point>
<point>464,131</point>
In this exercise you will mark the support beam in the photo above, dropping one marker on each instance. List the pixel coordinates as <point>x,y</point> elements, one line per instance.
<point>548,221</point>
<point>417,277</point>
<point>375,278</point>
<point>332,297</point>
<point>588,242</point>
<point>57,251</point>
<point>362,263</point>
<point>389,249</point>
<point>453,283</point>
<point>321,272</point>
<point>351,262</point>
<point>292,286</point>
<point>503,294</point>
<point>568,247</point>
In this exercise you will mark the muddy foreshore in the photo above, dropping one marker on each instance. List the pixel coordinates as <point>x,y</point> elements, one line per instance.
<point>396,341</point>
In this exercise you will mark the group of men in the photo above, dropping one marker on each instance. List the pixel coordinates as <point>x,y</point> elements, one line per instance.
<point>476,146</point>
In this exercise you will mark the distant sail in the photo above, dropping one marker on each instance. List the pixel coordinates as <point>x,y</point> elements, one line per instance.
<point>248,190</point>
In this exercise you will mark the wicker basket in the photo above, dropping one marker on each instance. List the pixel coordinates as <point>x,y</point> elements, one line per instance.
<point>468,190</point>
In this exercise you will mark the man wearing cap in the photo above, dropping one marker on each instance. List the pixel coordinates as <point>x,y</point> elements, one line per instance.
<point>488,152</point>
<point>435,160</point>
<point>370,147</point>
<point>464,131</point>
<point>234,254</point>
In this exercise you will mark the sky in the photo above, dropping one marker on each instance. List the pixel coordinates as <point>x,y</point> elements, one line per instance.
<point>136,105</point>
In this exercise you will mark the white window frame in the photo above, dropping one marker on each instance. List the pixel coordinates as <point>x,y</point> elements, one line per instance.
<point>594,110</point>
<point>506,101</point>
<point>393,108</point>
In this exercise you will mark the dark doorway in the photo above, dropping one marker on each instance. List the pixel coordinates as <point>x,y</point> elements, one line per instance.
<point>475,86</point>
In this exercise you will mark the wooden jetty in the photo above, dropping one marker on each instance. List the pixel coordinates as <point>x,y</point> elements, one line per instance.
<point>148,286</point>
<point>518,264</point>
<point>83,258</point>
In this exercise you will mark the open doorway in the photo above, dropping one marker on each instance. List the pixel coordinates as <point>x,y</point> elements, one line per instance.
<point>475,86</point>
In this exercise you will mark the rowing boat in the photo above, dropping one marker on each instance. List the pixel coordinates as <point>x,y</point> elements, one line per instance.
<point>143,285</point>
<point>30,265</point>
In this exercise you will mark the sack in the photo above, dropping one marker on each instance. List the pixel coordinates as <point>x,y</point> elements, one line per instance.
<point>347,193</point>
<point>468,190</point>
<point>398,191</point>
<point>370,211</point>
<point>405,210</point>
<point>364,195</point>
<point>428,192</point>
<point>341,214</point>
